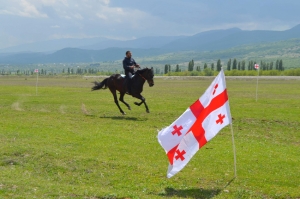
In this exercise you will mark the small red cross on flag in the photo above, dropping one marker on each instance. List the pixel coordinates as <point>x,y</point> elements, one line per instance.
<point>180,154</point>
<point>256,66</point>
<point>36,70</point>
<point>177,130</point>
<point>220,120</point>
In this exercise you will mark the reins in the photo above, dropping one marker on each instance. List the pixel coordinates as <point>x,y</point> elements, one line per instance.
<point>142,76</point>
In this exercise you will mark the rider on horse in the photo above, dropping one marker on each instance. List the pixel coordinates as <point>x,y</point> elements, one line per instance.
<point>128,65</point>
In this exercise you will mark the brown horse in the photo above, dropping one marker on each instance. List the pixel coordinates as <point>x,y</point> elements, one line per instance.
<point>118,83</point>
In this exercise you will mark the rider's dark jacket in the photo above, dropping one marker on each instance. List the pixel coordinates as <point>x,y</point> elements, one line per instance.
<point>128,62</point>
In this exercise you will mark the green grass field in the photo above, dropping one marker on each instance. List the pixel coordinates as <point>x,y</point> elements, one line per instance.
<point>69,142</point>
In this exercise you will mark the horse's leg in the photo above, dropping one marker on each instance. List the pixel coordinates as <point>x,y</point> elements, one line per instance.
<point>139,96</point>
<point>113,91</point>
<point>122,100</point>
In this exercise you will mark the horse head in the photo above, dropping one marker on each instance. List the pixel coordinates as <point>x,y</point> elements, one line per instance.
<point>147,74</point>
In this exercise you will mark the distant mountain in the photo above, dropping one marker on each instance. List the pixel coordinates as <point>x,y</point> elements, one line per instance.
<point>109,50</point>
<point>199,40</point>
<point>74,55</point>
<point>143,43</point>
<point>97,43</point>
<point>223,39</point>
<point>51,46</point>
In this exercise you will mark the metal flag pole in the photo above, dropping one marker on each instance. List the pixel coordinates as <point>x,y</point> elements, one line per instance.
<point>234,153</point>
<point>37,79</point>
<point>233,147</point>
<point>257,82</point>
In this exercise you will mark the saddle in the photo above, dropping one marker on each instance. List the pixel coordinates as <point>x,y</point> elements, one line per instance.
<point>125,82</point>
<point>123,76</point>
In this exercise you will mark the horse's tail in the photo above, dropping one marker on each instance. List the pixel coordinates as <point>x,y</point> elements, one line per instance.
<point>100,85</point>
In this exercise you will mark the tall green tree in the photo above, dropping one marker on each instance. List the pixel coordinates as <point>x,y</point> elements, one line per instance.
<point>166,68</point>
<point>229,64</point>
<point>280,66</point>
<point>251,65</point>
<point>177,68</point>
<point>277,65</point>
<point>205,66</point>
<point>219,65</point>
<point>234,64</point>
<point>271,65</point>
<point>243,67</point>
<point>191,66</point>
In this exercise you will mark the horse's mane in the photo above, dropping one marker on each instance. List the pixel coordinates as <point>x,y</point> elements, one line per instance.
<point>143,70</point>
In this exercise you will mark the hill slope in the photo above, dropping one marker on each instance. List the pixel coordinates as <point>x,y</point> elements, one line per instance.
<point>218,40</point>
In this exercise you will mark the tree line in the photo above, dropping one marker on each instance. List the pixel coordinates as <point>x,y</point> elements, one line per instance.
<point>77,71</point>
<point>192,68</point>
<point>231,65</point>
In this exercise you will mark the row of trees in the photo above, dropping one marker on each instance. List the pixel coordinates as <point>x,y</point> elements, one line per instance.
<point>263,65</point>
<point>77,71</point>
<point>81,71</point>
<point>231,65</point>
<point>17,72</point>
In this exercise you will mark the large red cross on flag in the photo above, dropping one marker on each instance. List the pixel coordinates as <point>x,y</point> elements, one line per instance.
<point>196,126</point>
<point>256,66</point>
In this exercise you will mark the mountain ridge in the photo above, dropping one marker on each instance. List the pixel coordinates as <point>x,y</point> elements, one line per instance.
<point>213,40</point>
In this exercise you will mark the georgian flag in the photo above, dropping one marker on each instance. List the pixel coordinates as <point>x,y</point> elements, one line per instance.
<point>196,126</point>
<point>256,66</point>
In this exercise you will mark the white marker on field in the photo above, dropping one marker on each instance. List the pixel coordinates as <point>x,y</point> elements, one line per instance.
<point>37,79</point>
<point>256,66</point>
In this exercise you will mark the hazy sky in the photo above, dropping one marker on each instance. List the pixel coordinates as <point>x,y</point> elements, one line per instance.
<point>25,21</point>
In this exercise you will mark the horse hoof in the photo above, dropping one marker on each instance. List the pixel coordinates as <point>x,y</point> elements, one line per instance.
<point>136,103</point>
<point>147,111</point>
<point>123,113</point>
<point>129,108</point>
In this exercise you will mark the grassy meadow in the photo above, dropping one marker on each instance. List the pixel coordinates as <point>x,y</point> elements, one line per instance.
<point>69,142</point>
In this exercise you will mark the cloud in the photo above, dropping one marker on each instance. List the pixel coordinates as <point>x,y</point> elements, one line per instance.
<point>23,8</point>
<point>55,26</point>
<point>62,8</point>
<point>37,20</point>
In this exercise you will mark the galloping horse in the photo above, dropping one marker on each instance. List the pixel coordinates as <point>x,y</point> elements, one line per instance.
<point>118,83</point>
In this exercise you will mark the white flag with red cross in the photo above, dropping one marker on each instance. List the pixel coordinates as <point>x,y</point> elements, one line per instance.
<point>256,66</point>
<point>196,126</point>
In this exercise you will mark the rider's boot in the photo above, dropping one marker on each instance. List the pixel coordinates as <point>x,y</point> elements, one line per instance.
<point>129,86</point>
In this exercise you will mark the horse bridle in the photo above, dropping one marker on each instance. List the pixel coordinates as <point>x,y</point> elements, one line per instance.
<point>142,77</point>
<point>151,83</point>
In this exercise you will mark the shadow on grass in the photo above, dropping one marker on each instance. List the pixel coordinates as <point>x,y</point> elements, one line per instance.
<point>98,197</point>
<point>117,117</point>
<point>229,182</point>
<point>191,193</point>
<point>123,118</point>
